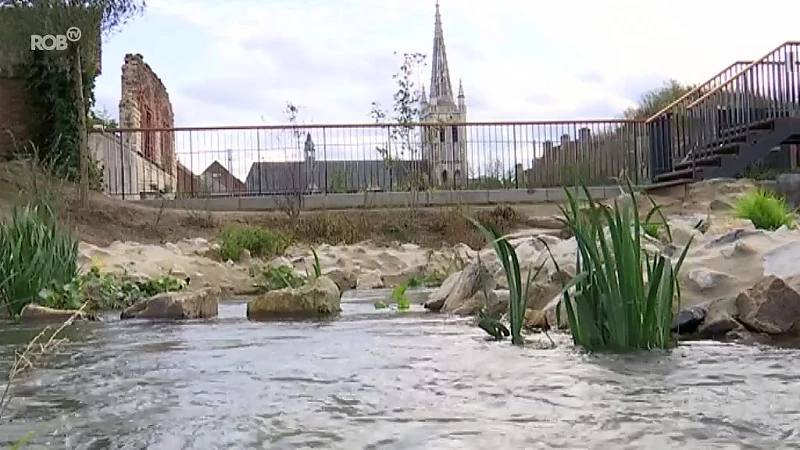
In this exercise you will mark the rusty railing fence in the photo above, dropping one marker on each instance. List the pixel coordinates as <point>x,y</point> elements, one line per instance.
<point>326,159</point>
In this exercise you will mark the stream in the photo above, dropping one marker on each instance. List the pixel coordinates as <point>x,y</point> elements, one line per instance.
<point>382,379</point>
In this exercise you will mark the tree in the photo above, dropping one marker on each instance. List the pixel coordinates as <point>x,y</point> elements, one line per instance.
<point>657,99</point>
<point>406,111</point>
<point>94,18</point>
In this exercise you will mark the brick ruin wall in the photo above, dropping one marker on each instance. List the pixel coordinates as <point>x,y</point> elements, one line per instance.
<point>145,104</point>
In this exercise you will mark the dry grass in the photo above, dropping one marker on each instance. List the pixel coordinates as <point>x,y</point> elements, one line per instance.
<point>108,219</point>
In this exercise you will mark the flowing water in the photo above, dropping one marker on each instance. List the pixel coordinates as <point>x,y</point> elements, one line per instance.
<point>378,379</point>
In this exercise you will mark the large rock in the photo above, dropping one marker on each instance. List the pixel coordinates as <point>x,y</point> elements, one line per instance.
<point>37,313</point>
<point>788,184</point>
<point>370,280</point>
<point>771,306</point>
<point>473,279</point>
<point>344,279</point>
<point>720,320</point>
<point>320,299</point>
<point>199,304</point>
<point>436,300</point>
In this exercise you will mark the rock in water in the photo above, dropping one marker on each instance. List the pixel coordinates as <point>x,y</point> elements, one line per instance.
<point>771,306</point>
<point>687,321</point>
<point>37,313</point>
<point>321,299</point>
<point>200,304</point>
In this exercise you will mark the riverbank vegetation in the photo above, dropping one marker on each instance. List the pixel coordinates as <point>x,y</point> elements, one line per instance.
<point>767,210</point>
<point>39,264</point>
<point>622,296</point>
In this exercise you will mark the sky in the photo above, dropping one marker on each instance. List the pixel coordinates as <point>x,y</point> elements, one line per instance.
<point>239,62</point>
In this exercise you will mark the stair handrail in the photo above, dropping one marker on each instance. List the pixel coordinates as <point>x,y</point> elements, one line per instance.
<point>746,70</point>
<point>696,89</point>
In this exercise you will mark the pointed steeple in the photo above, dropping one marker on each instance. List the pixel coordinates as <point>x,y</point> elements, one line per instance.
<point>440,72</point>
<point>460,88</point>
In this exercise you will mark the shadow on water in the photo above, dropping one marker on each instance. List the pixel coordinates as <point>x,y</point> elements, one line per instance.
<point>384,379</point>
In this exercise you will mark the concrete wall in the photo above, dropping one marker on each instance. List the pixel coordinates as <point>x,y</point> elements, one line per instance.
<point>383,199</point>
<point>126,171</point>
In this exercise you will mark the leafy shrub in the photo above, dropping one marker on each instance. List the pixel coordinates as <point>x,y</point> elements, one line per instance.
<point>616,305</point>
<point>767,210</point>
<point>36,253</point>
<point>261,242</point>
<point>107,290</point>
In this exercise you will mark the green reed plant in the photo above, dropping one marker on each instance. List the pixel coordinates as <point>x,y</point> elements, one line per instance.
<point>36,252</point>
<point>623,296</point>
<point>518,290</point>
<point>765,209</point>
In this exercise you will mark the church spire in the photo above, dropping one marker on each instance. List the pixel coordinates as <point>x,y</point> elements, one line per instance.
<point>440,72</point>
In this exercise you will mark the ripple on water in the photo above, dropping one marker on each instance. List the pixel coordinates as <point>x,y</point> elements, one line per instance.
<point>392,381</point>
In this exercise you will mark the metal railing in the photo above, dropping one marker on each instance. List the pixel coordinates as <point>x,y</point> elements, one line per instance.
<point>324,159</point>
<point>739,96</point>
<point>668,127</point>
<point>767,89</point>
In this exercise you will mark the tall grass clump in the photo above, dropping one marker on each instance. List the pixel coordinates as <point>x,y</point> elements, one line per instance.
<point>623,296</point>
<point>259,241</point>
<point>36,253</point>
<point>765,209</point>
<point>518,290</point>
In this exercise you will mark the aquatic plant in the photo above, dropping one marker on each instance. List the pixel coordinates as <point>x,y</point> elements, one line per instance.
<point>380,304</point>
<point>316,266</point>
<point>518,292</point>
<point>621,297</point>
<point>259,241</point>
<point>36,252</point>
<point>399,296</point>
<point>765,209</point>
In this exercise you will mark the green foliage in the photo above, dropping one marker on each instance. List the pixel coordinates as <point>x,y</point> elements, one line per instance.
<point>399,296</point>
<point>380,304</point>
<point>338,183</point>
<point>492,326</point>
<point>767,210</point>
<point>261,242</point>
<point>36,253</point>
<point>403,138</point>
<point>282,277</point>
<point>285,276</point>
<point>657,99</point>
<point>107,290</point>
<point>616,305</point>
<point>518,292</point>
<point>55,121</point>
<point>316,266</point>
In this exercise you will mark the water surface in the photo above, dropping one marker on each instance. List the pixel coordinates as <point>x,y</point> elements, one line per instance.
<point>379,379</point>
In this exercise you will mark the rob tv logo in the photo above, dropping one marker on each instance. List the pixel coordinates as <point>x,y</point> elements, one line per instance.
<point>55,42</point>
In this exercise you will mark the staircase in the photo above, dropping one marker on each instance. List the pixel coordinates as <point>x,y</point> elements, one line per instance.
<point>730,122</point>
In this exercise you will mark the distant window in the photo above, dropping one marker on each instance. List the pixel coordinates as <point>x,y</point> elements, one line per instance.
<point>444,176</point>
<point>441,134</point>
<point>455,134</point>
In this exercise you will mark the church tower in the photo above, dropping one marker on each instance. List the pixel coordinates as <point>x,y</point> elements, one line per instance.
<point>445,147</point>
